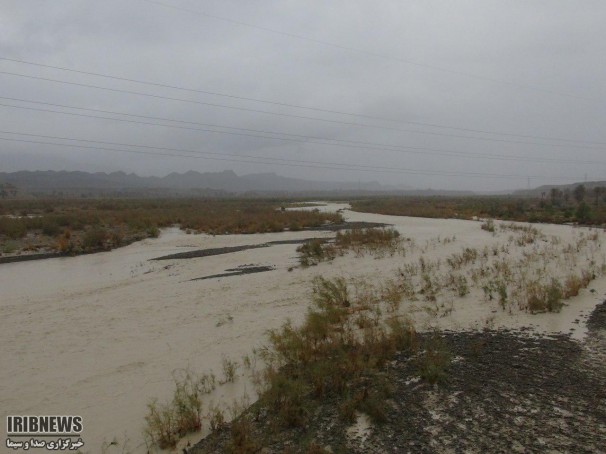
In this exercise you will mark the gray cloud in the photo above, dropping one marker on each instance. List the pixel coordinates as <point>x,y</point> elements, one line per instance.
<point>551,52</point>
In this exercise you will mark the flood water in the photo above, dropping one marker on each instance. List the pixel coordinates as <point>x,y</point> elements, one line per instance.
<point>100,335</point>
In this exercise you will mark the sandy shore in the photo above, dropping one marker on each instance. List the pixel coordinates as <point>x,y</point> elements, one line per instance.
<point>99,335</point>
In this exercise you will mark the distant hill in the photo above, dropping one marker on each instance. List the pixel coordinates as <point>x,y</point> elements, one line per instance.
<point>121,184</point>
<point>546,189</point>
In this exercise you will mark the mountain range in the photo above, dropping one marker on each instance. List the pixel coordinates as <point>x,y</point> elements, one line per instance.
<point>76,183</point>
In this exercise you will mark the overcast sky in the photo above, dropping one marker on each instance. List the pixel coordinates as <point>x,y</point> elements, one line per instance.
<point>530,73</point>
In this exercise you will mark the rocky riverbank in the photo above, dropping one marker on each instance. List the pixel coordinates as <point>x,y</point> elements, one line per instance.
<point>505,391</point>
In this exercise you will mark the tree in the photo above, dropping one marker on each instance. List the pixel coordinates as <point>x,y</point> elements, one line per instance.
<point>579,193</point>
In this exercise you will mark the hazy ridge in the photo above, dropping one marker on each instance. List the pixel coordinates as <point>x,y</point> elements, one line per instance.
<point>226,183</point>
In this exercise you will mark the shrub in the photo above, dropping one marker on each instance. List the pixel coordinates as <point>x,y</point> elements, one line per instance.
<point>94,239</point>
<point>329,356</point>
<point>161,425</point>
<point>488,225</point>
<point>216,418</point>
<point>313,252</point>
<point>572,286</point>
<point>12,228</point>
<point>168,422</point>
<point>368,239</point>
<point>574,283</point>
<point>51,228</point>
<point>9,247</point>
<point>544,297</point>
<point>153,231</point>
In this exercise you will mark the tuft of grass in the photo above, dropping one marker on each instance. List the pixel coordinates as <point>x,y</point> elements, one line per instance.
<point>434,360</point>
<point>574,283</point>
<point>230,369</point>
<point>466,257</point>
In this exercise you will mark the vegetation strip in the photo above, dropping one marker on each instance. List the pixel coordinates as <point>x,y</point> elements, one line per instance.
<point>579,205</point>
<point>75,226</point>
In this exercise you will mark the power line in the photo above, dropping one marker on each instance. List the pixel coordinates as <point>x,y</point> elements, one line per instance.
<point>261,160</point>
<point>283,104</point>
<point>279,114</point>
<point>295,137</point>
<point>373,54</point>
